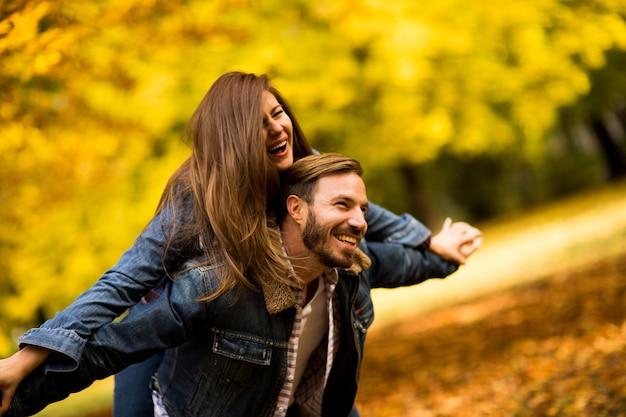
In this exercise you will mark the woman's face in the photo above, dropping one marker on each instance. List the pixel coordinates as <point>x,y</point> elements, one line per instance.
<point>277,132</point>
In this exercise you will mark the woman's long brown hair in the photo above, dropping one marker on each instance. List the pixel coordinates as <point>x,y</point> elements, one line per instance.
<point>230,179</point>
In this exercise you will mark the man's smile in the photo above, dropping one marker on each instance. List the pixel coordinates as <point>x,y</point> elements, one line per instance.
<point>346,239</point>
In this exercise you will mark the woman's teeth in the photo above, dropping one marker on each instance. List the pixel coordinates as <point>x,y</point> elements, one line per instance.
<point>278,147</point>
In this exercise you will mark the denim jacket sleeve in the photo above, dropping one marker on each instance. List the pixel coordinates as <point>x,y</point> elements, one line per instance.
<point>170,319</point>
<point>138,270</point>
<point>385,226</point>
<point>395,265</point>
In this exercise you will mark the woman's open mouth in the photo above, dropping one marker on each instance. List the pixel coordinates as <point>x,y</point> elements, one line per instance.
<point>278,148</point>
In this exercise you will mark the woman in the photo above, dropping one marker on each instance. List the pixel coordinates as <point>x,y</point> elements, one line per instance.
<point>242,134</point>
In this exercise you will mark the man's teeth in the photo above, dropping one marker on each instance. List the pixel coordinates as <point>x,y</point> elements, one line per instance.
<point>277,146</point>
<point>347,239</point>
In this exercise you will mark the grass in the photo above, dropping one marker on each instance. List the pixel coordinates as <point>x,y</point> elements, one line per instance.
<point>566,234</point>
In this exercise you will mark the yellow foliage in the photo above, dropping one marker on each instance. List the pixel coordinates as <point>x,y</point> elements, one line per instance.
<point>21,27</point>
<point>93,97</point>
<point>38,51</point>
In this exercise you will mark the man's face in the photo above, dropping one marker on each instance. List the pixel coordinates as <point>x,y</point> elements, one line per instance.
<point>336,219</point>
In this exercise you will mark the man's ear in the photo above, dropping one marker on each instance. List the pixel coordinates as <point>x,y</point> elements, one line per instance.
<point>296,208</point>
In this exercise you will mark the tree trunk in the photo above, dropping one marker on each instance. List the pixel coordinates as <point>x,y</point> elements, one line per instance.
<point>613,154</point>
<point>419,203</point>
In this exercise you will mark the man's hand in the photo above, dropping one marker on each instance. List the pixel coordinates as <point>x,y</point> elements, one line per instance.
<point>15,368</point>
<point>9,380</point>
<point>456,241</point>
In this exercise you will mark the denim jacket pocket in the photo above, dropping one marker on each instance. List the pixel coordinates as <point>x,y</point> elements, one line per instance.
<point>239,359</point>
<point>243,348</point>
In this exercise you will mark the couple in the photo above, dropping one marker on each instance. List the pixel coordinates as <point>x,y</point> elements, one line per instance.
<point>217,198</point>
<point>266,349</point>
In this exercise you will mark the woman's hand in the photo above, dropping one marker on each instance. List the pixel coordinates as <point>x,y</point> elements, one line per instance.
<point>456,241</point>
<point>15,368</point>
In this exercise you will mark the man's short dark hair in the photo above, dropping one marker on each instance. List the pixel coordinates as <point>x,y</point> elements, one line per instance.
<point>301,178</point>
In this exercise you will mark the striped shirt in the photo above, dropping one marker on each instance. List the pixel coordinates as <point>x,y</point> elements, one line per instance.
<point>309,392</point>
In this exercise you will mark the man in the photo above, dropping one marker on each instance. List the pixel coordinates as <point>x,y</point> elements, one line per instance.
<point>266,349</point>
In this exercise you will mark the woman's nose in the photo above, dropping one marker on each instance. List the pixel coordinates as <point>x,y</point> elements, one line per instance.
<point>274,128</point>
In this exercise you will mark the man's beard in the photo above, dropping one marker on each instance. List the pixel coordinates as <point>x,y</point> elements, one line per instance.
<point>315,237</point>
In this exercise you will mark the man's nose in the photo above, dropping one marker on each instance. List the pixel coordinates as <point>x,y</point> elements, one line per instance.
<point>357,220</point>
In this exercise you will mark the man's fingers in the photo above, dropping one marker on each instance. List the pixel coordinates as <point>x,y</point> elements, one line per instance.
<point>3,403</point>
<point>5,400</point>
<point>470,247</point>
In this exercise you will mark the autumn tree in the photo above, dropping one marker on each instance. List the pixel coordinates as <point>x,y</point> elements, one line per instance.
<point>94,96</point>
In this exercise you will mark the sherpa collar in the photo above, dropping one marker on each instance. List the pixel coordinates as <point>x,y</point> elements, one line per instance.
<point>280,296</point>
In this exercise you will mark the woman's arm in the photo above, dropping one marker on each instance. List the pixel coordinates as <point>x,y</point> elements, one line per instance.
<point>385,226</point>
<point>138,270</point>
<point>455,242</point>
<point>178,317</point>
<point>395,265</point>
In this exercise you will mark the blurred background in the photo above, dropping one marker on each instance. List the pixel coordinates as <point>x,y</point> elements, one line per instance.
<point>463,109</point>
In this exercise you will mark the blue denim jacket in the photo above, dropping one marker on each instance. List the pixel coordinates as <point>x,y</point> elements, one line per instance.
<point>230,355</point>
<point>141,268</point>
